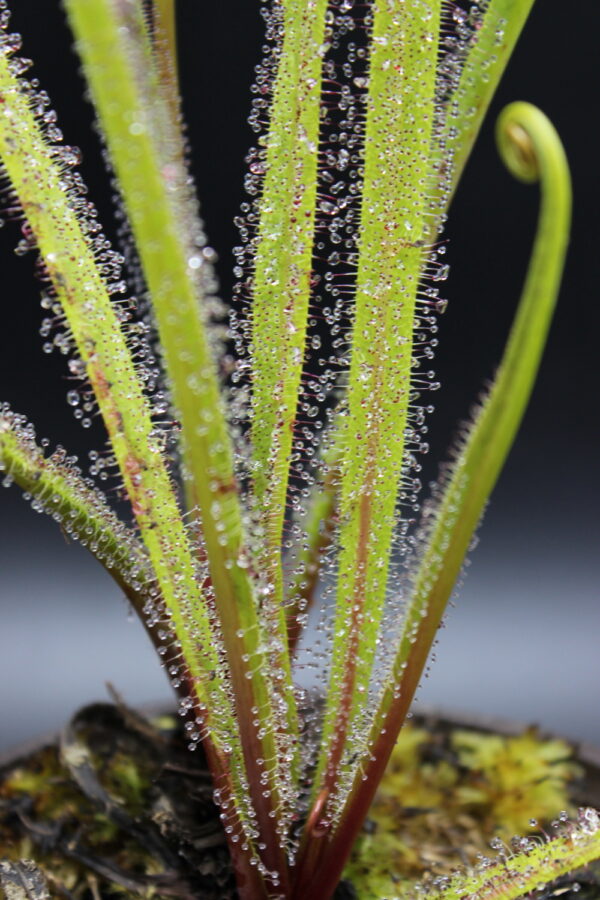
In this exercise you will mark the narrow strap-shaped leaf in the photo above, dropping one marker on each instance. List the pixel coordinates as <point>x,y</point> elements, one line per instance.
<point>282,265</point>
<point>165,36</point>
<point>38,180</point>
<point>80,509</point>
<point>532,150</point>
<point>497,34</point>
<point>522,874</point>
<point>69,260</point>
<point>57,487</point>
<point>498,29</point>
<point>394,223</point>
<point>155,79</point>
<point>164,45</point>
<point>172,271</point>
<point>153,34</point>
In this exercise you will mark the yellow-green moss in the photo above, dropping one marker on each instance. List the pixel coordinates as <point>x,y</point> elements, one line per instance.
<point>444,797</point>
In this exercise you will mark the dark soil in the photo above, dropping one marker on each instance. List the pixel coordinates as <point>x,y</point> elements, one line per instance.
<point>118,807</point>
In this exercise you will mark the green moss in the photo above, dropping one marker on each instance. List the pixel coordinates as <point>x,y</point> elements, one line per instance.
<point>446,795</point>
<point>513,779</point>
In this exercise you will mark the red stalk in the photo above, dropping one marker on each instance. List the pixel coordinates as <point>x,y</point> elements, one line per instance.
<point>312,845</point>
<point>249,882</point>
<point>347,692</point>
<point>334,852</point>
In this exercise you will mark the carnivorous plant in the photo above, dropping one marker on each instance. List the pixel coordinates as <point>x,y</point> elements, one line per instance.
<point>269,450</point>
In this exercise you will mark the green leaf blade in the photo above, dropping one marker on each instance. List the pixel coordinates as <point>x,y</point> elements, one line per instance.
<point>82,292</point>
<point>60,490</point>
<point>37,178</point>
<point>394,226</point>
<point>174,271</point>
<point>497,35</point>
<point>282,265</point>
<point>532,150</point>
<point>165,38</point>
<point>516,875</point>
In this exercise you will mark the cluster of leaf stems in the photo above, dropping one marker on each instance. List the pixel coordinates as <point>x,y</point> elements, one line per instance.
<point>231,625</point>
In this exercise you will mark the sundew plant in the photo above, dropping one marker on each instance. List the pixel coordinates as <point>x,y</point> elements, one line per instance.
<point>269,447</point>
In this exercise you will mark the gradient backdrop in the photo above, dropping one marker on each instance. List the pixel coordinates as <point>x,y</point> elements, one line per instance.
<point>523,638</point>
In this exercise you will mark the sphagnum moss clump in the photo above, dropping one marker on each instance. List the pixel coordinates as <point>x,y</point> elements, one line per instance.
<point>298,454</point>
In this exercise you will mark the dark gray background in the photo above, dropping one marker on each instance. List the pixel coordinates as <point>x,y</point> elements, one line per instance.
<point>523,639</point>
